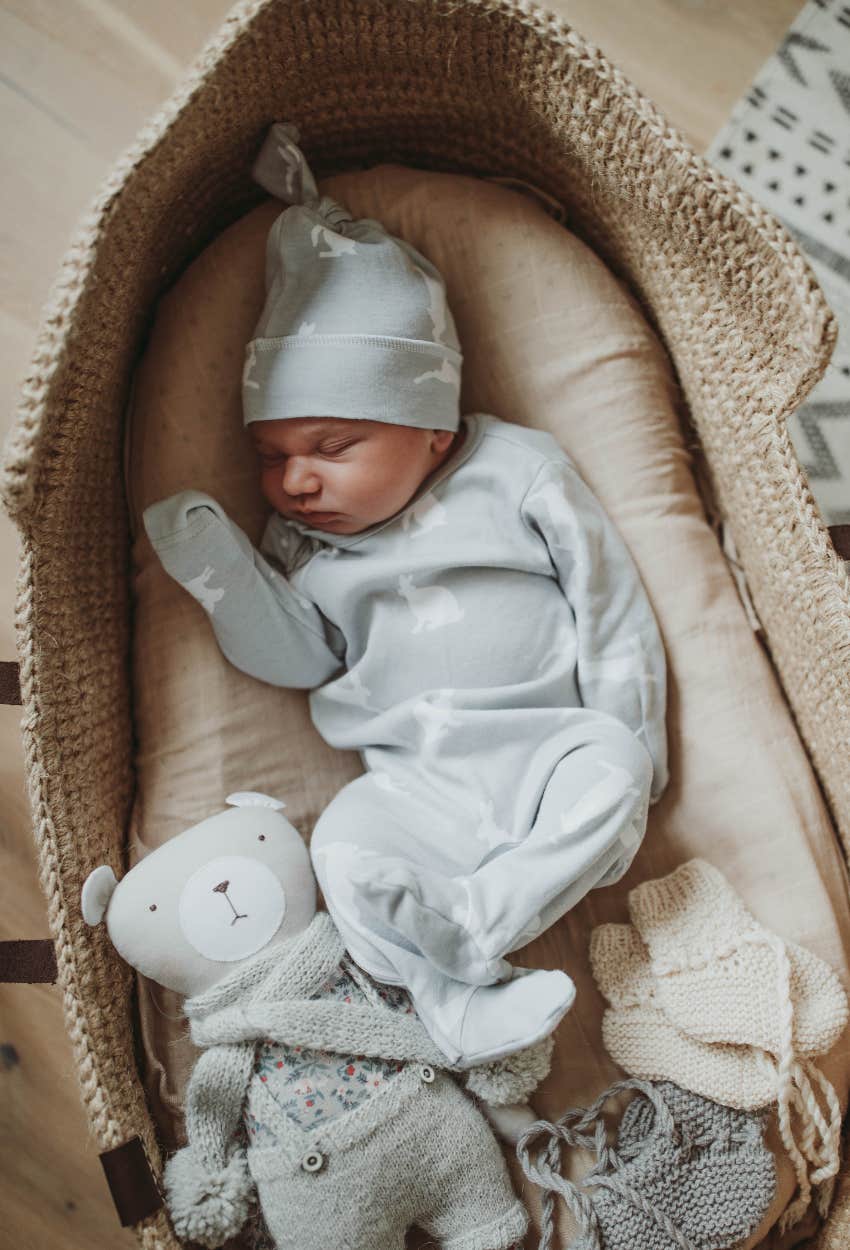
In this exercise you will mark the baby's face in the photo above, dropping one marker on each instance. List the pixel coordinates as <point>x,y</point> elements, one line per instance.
<point>344,475</point>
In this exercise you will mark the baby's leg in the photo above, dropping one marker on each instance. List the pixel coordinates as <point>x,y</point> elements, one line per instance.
<point>588,827</point>
<point>588,823</point>
<point>372,834</point>
<point>359,836</point>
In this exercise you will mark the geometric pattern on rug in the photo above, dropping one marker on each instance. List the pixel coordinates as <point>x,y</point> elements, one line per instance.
<point>787,143</point>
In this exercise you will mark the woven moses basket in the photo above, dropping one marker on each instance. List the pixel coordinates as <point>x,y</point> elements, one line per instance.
<point>479,88</point>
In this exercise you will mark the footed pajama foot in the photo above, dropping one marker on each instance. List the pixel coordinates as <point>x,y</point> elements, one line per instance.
<point>491,1021</point>
<point>433,912</point>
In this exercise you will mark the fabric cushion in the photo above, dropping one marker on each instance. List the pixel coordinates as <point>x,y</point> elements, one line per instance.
<point>552,339</point>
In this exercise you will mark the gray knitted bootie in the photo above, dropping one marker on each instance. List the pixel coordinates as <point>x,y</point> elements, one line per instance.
<point>686,1173</point>
<point>698,1120</point>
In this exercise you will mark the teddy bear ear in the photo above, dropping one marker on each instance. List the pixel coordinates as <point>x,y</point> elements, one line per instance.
<point>97,891</point>
<point>252,798</point>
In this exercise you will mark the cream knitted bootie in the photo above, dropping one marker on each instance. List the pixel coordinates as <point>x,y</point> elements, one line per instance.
<point>722,977</point>
<point>640,1038</point>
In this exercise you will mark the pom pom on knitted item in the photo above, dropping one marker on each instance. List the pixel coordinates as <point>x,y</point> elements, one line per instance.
<point>639,1037</point>
<point>719,973</point>
<point>207,1206</point>
<point>514,1078</point>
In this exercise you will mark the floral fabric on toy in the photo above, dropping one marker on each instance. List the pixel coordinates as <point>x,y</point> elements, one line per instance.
<point>313,1087</point>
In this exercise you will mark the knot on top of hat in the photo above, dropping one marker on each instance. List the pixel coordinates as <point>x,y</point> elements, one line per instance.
<point>334,213</point>
<point>281,167</point>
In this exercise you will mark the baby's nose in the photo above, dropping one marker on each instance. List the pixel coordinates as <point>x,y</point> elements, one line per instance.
<point>299,478</point>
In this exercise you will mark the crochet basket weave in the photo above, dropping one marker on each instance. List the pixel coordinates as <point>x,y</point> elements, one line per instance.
<point>476,87</point>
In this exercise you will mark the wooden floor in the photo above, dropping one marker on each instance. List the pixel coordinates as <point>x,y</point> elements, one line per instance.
<point>78,78</point>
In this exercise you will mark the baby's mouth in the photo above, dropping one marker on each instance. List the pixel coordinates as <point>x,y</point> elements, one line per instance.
<point>316,515</point>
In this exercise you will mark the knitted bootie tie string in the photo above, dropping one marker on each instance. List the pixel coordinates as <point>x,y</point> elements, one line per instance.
<point>824,1153</point>
<point>820,1136</point>
<point>794,1090</point>
<point>829,1155</point>
<point>544,1170</point>
<point>785,1083</point>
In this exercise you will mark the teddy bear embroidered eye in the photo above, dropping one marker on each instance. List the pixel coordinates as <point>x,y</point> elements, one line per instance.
<point>318,1091</point>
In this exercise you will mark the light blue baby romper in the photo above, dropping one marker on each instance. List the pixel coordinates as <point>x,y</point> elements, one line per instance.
<point>489,650</point>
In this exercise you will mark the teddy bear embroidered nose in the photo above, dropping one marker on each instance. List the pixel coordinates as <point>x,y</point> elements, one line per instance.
<point>210,926</point>
<point>221,888</point>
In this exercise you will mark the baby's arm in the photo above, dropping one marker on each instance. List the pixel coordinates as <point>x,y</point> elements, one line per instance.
<point>262,625</point>
<point>207,1183</point>
<point>621,666</point>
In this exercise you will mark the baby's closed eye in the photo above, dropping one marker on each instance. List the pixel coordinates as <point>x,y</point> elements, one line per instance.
<point>336,448</point>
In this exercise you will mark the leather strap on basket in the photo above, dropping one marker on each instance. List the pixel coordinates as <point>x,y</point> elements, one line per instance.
<point>24,962</point>
<point>131,1182</point>
<point>840,535</point>
<point>10,686</point>
<point>128,1172</point>
<point>28,962</point>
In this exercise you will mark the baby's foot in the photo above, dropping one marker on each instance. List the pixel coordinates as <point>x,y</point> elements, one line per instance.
<point>500,1019</point>
<point>433,912</point>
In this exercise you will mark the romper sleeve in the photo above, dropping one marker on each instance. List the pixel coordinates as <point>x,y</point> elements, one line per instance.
<point>263,625</point>
<point>620,666</point>
<point>207,1184</point>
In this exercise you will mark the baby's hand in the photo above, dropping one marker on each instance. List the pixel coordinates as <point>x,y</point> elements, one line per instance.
<point>511,1121</point>
<point>199,546</point>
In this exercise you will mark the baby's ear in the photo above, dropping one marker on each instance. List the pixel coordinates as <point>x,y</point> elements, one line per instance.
<point>97,891</point>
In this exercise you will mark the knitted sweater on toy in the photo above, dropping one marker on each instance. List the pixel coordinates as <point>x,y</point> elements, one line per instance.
<point>272,997</point>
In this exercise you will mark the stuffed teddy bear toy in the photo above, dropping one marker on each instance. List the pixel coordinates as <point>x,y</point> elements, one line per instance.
<point>317,1088</point>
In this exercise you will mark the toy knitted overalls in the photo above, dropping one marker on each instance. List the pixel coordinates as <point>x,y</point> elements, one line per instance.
<point>414,1149</point>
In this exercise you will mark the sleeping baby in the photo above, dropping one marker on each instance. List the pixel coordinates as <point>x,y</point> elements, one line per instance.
<point>460,606</point>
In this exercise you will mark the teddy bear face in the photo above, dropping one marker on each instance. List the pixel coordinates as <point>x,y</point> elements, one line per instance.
<point>195,908</point>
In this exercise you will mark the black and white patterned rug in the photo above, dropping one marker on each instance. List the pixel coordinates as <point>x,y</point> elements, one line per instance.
<point>787,143</point>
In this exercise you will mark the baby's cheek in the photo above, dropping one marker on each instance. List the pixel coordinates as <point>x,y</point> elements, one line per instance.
<point>270,486</point>
<point>389,490</point>
<point>364,483</point>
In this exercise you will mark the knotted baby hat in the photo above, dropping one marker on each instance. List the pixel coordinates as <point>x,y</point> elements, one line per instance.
<point>355,322</point>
